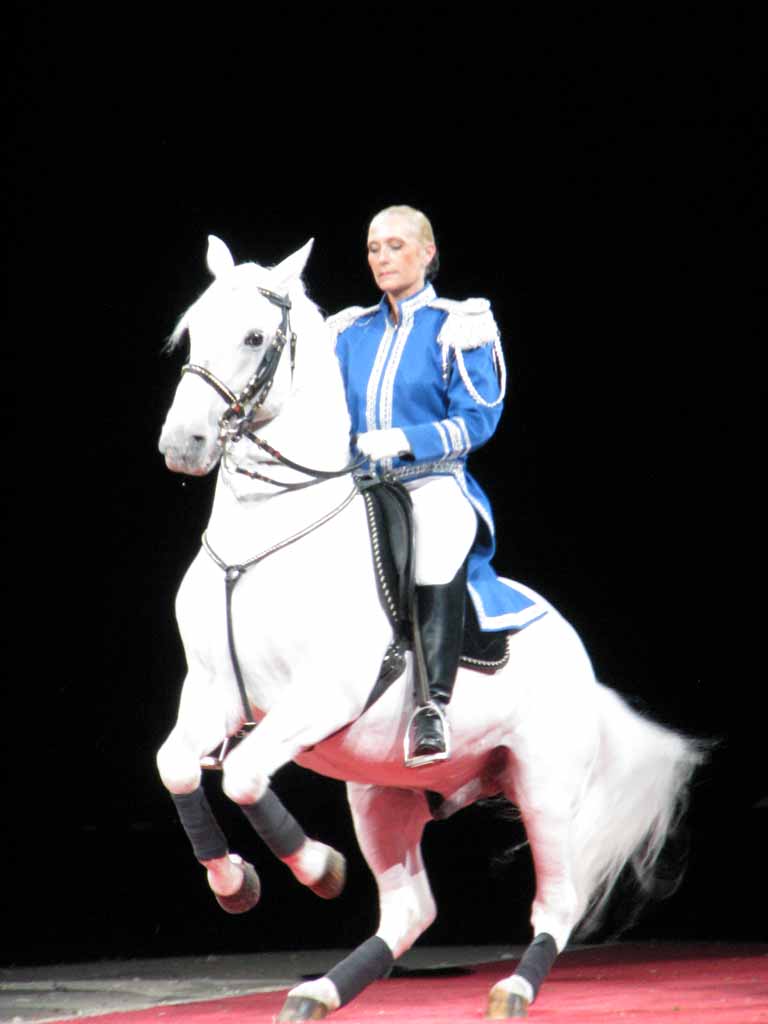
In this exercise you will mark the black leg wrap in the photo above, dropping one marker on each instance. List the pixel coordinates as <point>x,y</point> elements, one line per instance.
<point>365,964</point>
<point>195,814</point>
<point>276,826</point>
<point>537,961</point>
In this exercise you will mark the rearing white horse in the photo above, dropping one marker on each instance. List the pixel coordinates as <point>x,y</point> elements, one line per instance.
<point>597,785</point>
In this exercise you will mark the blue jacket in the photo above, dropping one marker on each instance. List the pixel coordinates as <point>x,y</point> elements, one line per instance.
<point>439,375</point>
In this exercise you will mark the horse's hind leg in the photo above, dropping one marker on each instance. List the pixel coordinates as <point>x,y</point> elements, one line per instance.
<point>389,824</point>
<point>546,809</point>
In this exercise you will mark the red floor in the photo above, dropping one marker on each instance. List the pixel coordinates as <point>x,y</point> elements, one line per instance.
<point>660,983</point>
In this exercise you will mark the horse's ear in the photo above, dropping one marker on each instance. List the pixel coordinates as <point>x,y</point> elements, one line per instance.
<point>292,266</point>
<point>218,257</point>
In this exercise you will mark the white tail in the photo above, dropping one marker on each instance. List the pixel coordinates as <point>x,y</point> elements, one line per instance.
<point>632,803</point>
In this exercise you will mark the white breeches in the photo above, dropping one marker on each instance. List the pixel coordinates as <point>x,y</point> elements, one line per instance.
<point>444,524</point>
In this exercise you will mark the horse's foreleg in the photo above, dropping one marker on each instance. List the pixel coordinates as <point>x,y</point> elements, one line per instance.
<point>233,881</point>
<point>389,824</point>
<point>287,730</point>
<point>314,864</point>
<point>304,717</point>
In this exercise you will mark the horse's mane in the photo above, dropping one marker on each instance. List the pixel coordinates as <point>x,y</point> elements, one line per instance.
<point>173,340</point>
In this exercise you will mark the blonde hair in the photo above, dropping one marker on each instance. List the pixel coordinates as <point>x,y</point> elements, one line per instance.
<point>422,229</point>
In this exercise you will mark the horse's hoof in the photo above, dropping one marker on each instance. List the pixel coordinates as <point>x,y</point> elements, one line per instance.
<point>247,896</point>
<point>506,1005</point>
<point>331,883</point>
<point>303,1008</point>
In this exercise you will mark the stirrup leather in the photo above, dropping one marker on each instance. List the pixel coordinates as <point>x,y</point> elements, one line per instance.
<point>424,759</point>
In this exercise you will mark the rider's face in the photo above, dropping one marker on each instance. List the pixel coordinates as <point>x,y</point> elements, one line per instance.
<point>397,257</point>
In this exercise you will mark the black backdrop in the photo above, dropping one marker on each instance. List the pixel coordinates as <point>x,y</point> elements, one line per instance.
<point>603,182</point>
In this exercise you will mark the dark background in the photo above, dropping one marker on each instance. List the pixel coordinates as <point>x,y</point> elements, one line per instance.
<point>602,181</point>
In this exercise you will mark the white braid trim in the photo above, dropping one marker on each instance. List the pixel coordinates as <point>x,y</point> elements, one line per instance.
<point>501,368</point>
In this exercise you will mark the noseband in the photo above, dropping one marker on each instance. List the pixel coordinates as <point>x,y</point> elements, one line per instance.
<point>234,424</point>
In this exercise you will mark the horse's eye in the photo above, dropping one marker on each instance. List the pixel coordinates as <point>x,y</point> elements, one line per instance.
<point>255,339</point>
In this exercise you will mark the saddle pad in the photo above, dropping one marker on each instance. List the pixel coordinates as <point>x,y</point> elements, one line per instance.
<point>480,651</point>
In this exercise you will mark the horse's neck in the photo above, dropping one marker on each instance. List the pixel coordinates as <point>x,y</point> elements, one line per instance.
<point>313,430</point>
<point>239,529</point>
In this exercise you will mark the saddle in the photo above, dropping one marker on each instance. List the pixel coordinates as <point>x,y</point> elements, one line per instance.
<point>390,524</point>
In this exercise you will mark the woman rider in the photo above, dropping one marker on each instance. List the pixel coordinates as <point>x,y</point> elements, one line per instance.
<point>425,379</point>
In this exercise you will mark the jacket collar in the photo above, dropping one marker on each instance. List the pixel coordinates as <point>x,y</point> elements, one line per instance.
<point>407,307</point>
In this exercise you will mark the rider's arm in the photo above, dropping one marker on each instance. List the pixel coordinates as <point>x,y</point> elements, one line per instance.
<point>474,406</point>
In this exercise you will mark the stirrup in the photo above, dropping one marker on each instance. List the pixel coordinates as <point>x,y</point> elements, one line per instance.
<point>214,762</point>
<point>424,759</point>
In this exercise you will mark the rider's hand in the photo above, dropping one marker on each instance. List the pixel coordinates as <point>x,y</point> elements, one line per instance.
<point>382,444</point>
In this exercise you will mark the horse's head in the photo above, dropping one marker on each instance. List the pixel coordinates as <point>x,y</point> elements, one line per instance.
<point>237,332</point>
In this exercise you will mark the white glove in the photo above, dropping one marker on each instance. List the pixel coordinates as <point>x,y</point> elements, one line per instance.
<point>382,444</point>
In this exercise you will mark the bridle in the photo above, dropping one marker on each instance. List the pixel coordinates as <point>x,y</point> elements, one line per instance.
<point>242,407</point>
<point>235,421</point>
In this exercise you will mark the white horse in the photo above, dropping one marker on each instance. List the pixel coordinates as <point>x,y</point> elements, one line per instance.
<point>598,786</point>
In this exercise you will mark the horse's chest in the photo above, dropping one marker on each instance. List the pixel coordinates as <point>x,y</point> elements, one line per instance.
<point>289,608</point>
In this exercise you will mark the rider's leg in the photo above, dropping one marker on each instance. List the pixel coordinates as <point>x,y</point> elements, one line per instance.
<point>445,525</point>
<point>440,612</point>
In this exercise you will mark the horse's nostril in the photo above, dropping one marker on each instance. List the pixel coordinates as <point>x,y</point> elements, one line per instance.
<point>198,439</point>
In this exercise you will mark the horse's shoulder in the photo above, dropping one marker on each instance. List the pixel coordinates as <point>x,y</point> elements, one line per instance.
<point>469,323</point>
<point>340,321</point>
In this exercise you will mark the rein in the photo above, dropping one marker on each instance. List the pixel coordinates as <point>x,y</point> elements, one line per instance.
<point>318,474</point>
<point>234,573</point>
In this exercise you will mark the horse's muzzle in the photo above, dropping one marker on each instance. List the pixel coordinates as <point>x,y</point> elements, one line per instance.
<point>183,465</point>
<point>194,456</point>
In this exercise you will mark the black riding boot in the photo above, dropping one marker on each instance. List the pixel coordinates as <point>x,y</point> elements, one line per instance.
<point>440,611</point>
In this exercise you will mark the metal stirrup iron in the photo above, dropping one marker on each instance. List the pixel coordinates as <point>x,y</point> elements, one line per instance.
<point>416,762</point>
